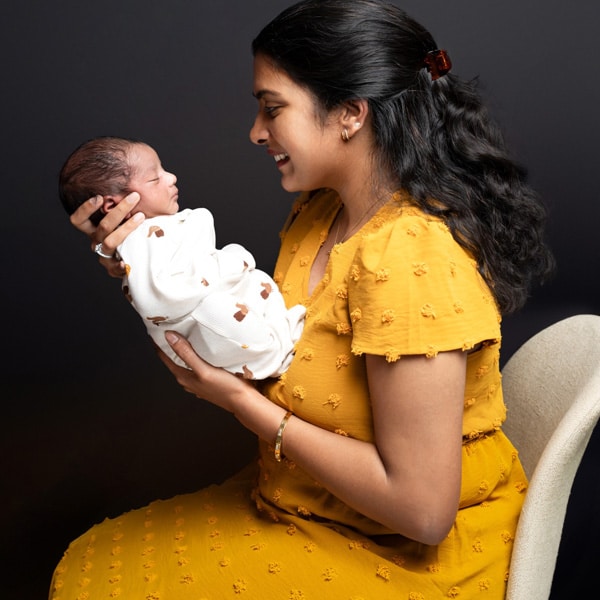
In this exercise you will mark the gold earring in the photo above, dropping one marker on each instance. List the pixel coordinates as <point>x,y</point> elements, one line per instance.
<point>345,135</point>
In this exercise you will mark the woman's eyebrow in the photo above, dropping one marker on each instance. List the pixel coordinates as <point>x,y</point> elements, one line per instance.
<point>258,95</point>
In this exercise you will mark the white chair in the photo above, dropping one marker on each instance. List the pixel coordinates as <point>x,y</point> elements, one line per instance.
<point>552,392</point>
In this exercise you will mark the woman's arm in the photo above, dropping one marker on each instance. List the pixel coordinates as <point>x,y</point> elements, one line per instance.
<point>409,480</point>
<point>111,230</point>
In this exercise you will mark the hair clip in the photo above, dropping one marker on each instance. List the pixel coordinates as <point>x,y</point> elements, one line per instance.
<point>438,63</point>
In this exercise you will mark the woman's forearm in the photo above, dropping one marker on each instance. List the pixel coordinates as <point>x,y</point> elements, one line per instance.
<point>353,471</point>
<point>408,479</point>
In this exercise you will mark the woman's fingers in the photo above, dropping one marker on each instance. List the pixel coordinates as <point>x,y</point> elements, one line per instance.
<point>112,238</point>
<point>111,231</point>
<point>80,219</point>
<point>109,258</point>
<point>184,350</point>
<point>113,228</point>
<point>114,267</point>
<point>214,384</point>
<point>188,379</point>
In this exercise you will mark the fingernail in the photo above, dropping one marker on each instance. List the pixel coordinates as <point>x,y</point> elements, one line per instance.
<point>171,337</point>
<point>138,217</point>
<point>96,200</point>
<point>132,198</point>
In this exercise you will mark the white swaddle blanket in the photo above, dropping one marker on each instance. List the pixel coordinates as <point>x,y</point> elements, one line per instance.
<point>232,313</point>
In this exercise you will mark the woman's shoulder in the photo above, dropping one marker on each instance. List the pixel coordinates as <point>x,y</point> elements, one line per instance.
<point>403,231</point>
<point>413,289</point>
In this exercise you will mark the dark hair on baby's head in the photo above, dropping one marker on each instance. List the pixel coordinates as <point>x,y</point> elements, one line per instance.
<point>99,166</point>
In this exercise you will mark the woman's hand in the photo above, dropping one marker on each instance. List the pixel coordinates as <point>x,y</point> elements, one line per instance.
<point>223,389</point>
<point>214,384</point>
<point>110,232</point>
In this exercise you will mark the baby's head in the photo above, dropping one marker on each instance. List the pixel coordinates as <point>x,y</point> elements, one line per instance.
<point>114,167</point>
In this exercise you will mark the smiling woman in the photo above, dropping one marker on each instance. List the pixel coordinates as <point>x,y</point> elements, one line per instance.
<point>383,469</point>
<point>305,146</point>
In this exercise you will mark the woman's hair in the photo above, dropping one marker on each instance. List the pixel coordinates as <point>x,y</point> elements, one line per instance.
<point>433,136</point>
<point>99,166</point>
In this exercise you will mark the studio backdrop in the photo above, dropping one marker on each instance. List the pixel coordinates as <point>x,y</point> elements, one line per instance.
<point>82,389</point>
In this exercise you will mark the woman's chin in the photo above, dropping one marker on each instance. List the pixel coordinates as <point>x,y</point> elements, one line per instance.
<point>289,185</point>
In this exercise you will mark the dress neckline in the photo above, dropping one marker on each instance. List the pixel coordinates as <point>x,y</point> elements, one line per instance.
<point>374,221</point>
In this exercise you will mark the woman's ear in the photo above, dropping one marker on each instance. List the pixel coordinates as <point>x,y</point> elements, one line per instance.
<point>354,115</point>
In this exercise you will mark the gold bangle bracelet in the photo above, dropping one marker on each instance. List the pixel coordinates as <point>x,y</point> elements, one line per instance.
<point>279,436</point>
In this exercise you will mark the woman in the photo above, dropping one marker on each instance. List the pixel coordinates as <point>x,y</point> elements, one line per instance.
<point>383,469</point>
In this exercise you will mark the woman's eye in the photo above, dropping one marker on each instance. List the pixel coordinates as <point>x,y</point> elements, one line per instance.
<point>271,110</point>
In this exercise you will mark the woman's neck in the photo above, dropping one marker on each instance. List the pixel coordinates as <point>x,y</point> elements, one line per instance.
<point>359,207</point>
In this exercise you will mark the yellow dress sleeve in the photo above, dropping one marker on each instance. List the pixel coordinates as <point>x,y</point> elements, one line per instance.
<point>412,289</point>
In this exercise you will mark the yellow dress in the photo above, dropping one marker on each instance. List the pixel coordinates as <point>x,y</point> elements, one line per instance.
<point>401,285</point>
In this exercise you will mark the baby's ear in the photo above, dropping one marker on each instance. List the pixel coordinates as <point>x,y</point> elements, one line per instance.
<point>109,202</point>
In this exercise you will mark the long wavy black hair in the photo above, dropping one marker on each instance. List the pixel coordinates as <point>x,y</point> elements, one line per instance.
<point>434,137</point>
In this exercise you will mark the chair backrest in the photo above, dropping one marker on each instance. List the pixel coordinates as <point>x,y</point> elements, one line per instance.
<point>552,392</point>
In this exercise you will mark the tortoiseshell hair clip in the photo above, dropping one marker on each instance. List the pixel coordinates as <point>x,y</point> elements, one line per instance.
<point>438,63</point>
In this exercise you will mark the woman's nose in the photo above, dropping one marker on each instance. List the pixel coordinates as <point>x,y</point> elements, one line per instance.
<point>258,134</point>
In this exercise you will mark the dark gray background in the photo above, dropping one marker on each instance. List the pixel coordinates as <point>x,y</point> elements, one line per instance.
<point>92,423</point>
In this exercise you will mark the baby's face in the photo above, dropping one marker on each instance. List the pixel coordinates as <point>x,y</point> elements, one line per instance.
<point>156,187</point>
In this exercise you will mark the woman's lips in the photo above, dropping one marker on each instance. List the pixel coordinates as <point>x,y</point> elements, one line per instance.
<point>281,158</point>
